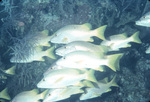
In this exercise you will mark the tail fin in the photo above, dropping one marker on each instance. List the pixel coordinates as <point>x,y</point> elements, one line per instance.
<point>135,38</point>
<point>4,94</point>
<point>103,48</point>
<point>113,83</point>
<point>113,61</point>
<point>91,76</point>
<point>43,94</point>
<point>99,32</point>
<point>50,53</point>
<point>11,70</point>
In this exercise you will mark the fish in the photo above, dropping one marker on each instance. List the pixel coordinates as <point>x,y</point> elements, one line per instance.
<point>121,41</point>
<point>103,86</point>
<point>38,38</point>
<point>82,32</point>
<point>54,66</point>
<point>84,59</point>
<point>29,96</point>
<point>65,77</point>
<point>80,46</point>
<point>4,94</point>
<point>61,93</point>
<point>144,20</point>
<point>34,55</point>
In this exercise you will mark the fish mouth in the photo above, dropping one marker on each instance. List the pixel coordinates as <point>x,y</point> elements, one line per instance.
<point>39,85</point>
<point>141,22</point>
<point>53,40</point>
<point>137,23</point>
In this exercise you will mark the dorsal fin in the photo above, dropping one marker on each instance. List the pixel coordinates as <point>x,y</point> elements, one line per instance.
<point>87,26</point>
<point>45,32</point>
<point>104,81</point>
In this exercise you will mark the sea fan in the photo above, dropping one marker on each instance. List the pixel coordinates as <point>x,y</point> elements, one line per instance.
<point>22,49</point>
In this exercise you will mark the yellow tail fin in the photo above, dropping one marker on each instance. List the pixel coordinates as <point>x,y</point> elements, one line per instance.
<point>50,53</point>
<point>109,89</point>
<point>99,32</point>
<point>91,76</point>
<point>113,83</point>
<point>135,38</point>
<point>4,94</point>
<point>113,61</point>
<point>11,70</point>
<point>43,94</point>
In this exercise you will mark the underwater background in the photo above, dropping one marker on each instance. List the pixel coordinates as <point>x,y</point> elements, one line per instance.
<point>21,17</point>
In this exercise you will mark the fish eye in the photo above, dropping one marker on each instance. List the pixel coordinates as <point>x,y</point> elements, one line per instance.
<point>49,94</point>
<point>64,58</point>
<point>65,47</point>
<point>43,79</point>
<point>144,17</point>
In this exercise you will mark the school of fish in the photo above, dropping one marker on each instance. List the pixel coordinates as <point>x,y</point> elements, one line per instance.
<point>74,72</point>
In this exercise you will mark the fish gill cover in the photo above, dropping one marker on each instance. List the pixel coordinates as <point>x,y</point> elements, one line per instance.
<point>26,30</point>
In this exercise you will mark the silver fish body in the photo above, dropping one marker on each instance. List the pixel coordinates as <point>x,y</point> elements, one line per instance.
<point>144,20</point>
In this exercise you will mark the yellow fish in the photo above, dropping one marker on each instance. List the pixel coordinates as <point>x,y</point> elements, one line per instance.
<point>65,77</point>
<point>85,59</point>
<point>38,38</point>
<point>121,41</point>
<point>36,55</point>
<point>103,86</point>
<point>82,32</point>
<point>80,46</point>
<point>29,96</point>
<point>61,93</point>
